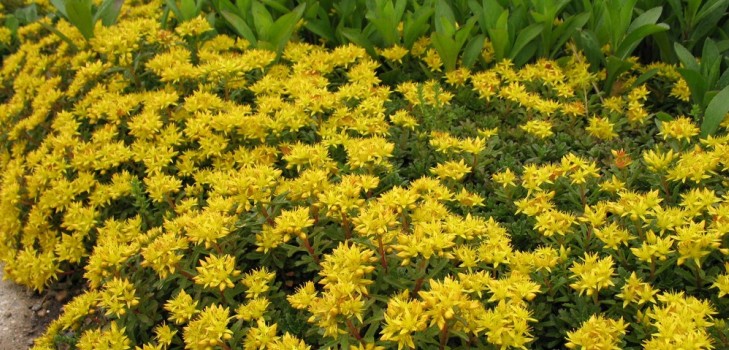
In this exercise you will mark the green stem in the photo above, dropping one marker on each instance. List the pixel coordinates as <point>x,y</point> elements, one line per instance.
<point>444,336</point>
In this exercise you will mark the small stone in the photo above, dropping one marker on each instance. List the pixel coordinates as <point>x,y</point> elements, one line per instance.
<point>8,314</point>
<point>37,306</point>
<point>61,296</point>
<point>41,313</point>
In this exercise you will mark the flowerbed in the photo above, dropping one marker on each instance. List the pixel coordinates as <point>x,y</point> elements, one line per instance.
<point>214,196</point>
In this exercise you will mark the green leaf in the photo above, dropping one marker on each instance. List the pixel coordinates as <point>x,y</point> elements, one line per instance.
<point>473,50</point>
<point>444,16</point>
<point>635,37</point>
<point>172,5</point>
<point>649,17</point>
<point>686,58</point>
<point>416,25</point>
<point>567,31</point>
<point>262,20</point>
<point>60,5</point>
<point>188,8</point>
<point>280,31</point>
<point>276,6</point>
<point>644,77</point>
<point>79,14</point>
<point>108,12</point>
<point>358,38</point>
<point>664,117</point>
<point>696,83</point>
<point>240,27</point>
<point>615,67</point>
<point>715,112</point>
<point>499,35</point>
<point>447,49</point>
<point>525,36</point>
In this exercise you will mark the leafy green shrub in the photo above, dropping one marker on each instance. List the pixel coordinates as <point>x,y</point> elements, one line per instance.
<point>216,196</point>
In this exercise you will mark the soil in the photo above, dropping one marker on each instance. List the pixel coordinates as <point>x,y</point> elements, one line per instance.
<point>25,314</point>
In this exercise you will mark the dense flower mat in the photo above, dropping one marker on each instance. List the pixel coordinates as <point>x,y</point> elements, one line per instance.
<point>215,197</point>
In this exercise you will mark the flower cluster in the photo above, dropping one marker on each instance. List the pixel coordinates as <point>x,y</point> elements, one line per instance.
<point>216,195</point>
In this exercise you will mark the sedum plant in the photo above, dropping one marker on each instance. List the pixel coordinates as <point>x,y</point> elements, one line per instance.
<point>214,195</point>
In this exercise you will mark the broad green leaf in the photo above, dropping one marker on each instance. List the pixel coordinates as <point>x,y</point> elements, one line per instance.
<point>710,62</point>
<point>711,6</point>
<point>79,14</point>
<point>615,67</point>
<point>240,27</point>
<point>588,43</point>
<point>686,58</point>
<point>567,31</point>
<point>664,117</point>
<point>262,20</point>
<point>276,6</point>
<point>715,112</point>
<point>649,17</point>
<point>499,35</point>
<point>464,32</point>
<point>473,50</point>
<point>172,5</point>
<point>644,77</point>
<point>525,36</point>
<point>108,12</point>
<point>635,37</point>
<point>696,83</point>
<point>60,5</point>
<point>723,80</point>
<point>12,23</point>
<point>416,25</point>
<point>188,8</point>
<point>447,49</point>
<point>444,14</point>
<point>225,5</point>
<point>355,36</point>
<point>382,17</point>
<point>281,30</point>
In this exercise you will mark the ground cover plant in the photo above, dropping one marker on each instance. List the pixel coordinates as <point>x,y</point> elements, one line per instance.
<point>216,195</point>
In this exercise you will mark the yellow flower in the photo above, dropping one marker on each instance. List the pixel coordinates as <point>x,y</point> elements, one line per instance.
<point>593,274</point>
<point>432,60</point>
<point>117,297</point>
<point>694,242</point>
<point>164,334</point>
<point>539,128</point>
<point>403,318</point>
<point>112,338</point>
<point>597,333</point>
<point>602,128</point>
<point>253,309</point>
<point>208,329</point>
<point>681,90</point>
<point>394,53</point>
<point>636,291</point>
<point>681,322</point>
<point>458,77</point>
<point>722,282</point>
<point>257,282</point>
<point>403,119</point>
<point>181,307</point>
<point>551,222</point>
<point>262,336</point>
<point>612,235</point>
<point>505,178</point>
<point>657,160</point>
<point>680,128</point>
<point>451,170</point>
<point>217,272</point>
